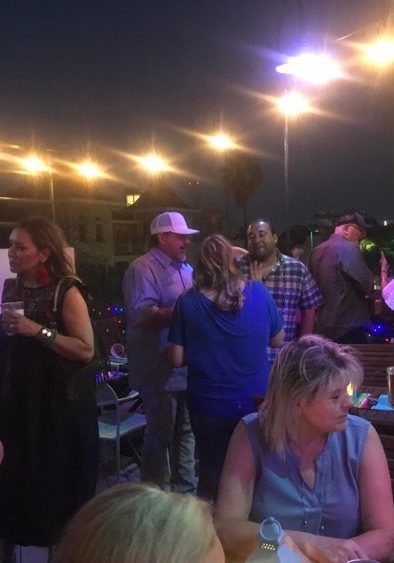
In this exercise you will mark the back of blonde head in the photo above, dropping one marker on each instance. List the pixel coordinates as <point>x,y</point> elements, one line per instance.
<point>138,524</point>
<point>301,369</point>
<point>216,270</point>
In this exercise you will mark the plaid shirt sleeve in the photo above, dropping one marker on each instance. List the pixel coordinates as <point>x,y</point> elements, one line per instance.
<point>311,297</point>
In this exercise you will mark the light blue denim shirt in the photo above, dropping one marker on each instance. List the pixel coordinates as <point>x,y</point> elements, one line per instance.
<point>332,506</point>
<point>151,282</point>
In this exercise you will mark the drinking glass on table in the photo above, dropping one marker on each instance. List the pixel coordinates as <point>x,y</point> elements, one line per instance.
<point>15,307</point>
<point>390,384</point>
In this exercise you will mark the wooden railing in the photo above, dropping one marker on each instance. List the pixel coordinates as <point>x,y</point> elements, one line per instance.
<point>375,358</point>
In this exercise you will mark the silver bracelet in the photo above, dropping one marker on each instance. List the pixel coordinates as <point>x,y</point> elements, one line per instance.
<point>46,335</point>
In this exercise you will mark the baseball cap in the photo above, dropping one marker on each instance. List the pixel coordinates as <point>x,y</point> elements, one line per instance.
<point>353,219</point>
<point>171,222</point>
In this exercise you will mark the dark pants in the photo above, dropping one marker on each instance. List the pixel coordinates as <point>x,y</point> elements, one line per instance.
<point>212,439</point>
<point>168,450</point>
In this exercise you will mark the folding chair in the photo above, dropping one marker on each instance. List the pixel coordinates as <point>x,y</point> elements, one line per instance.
<point>118,418</point>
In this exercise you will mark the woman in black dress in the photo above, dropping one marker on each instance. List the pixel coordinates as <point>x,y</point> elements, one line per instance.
<point>48,422</point>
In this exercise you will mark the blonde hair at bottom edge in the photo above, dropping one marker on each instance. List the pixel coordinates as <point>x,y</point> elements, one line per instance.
<point>138,524</point>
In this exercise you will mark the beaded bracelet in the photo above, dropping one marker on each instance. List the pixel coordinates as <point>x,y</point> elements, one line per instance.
<point>46,335</point>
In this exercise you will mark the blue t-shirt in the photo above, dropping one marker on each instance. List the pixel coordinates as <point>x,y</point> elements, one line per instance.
<point>226,352</point>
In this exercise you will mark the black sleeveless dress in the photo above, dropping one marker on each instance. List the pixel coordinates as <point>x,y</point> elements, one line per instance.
<point>50,439</point>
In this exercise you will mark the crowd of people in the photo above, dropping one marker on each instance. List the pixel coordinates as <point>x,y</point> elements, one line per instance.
<point>244,360</point>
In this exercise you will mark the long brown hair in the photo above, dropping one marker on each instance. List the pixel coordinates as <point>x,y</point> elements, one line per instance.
<point>216,270</point>
<point>47,234</point>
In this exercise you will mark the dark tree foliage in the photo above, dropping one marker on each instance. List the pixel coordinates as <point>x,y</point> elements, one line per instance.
<point>241,176</point>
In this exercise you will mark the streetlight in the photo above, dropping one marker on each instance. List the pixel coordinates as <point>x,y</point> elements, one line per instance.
<point>291,105</point>
<point>381,52</point>
<point>314,68</point>
<point>221,142</point>
<point>89,170</point>
<point>318,69</point>
<point>35,166</point>
<point>153,163</point>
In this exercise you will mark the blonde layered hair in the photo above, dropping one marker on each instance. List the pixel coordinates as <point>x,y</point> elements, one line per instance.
<point>301,370</point>
<point>138,524</point>
<point>217,271</point>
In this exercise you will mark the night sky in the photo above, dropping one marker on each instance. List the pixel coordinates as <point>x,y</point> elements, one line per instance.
<point>120,75</point>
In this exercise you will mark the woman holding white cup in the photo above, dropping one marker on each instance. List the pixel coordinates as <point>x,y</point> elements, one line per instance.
<point>48,422</point>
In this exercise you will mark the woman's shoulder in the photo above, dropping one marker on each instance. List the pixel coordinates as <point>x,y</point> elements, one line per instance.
<point>351,440</point>
<point>63,285</point>
<point>357,424</point>
<point>10,289</point>
<point>67,282</point>
<point>10,283</point>
<point>252,422</point>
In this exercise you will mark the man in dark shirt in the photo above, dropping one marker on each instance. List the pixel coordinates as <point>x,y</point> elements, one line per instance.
<point>345,282</point>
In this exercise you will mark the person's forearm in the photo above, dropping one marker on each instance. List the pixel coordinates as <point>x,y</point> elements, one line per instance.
<point>238,537</point>
<point>72,348</point>
<point>160,318</point>
<point>307,321</point>
<point>303,541</point>
<point>383,278</point>
<point>378,544</point>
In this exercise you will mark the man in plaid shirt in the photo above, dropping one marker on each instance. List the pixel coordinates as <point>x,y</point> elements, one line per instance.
<point>288,280</point>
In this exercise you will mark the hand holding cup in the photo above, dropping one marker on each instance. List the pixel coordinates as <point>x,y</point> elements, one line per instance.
<point>14,321</point>
<point>11,312</point>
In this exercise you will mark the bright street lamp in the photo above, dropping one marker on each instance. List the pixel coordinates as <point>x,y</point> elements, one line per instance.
<point>314,68</point>
<point>221,142</point>
<point>291,105</point>
<point>34,166</point>
<point>89,170</point>
<point>153,164</point>
<point>381,52</point>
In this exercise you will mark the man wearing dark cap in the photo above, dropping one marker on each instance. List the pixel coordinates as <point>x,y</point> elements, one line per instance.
<point>151,286</point>
<point>345,282</point>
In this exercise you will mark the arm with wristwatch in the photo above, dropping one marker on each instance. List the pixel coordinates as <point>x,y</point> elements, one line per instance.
<point>78,344</point>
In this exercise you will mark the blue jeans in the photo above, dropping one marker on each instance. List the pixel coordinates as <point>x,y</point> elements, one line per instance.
<point>169,446</point>
<point>212,439</point>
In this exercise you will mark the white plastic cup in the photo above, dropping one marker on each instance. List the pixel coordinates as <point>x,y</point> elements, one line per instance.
<point>390,384</point>
<point>16,307</point>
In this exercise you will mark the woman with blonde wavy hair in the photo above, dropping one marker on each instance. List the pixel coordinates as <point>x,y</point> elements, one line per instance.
<point>141,524</point>
<point>221,329</point>
<point>305,461</point>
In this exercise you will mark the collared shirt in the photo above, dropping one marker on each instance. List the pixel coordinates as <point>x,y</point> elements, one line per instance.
<point>344,280</point>
<point>151,282</point>
<point>292,287</point>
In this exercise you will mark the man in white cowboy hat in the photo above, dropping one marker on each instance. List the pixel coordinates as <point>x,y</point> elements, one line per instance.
<point>151,286</point>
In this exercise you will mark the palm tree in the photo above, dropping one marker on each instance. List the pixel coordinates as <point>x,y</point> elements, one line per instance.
<point>241,176</point>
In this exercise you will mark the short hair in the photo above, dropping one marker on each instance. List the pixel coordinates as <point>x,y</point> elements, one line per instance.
<point>137,523</point>
<point>217,270</point>
<point>302,369</point>
<point>46,234</point>
<point>267,221</point>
